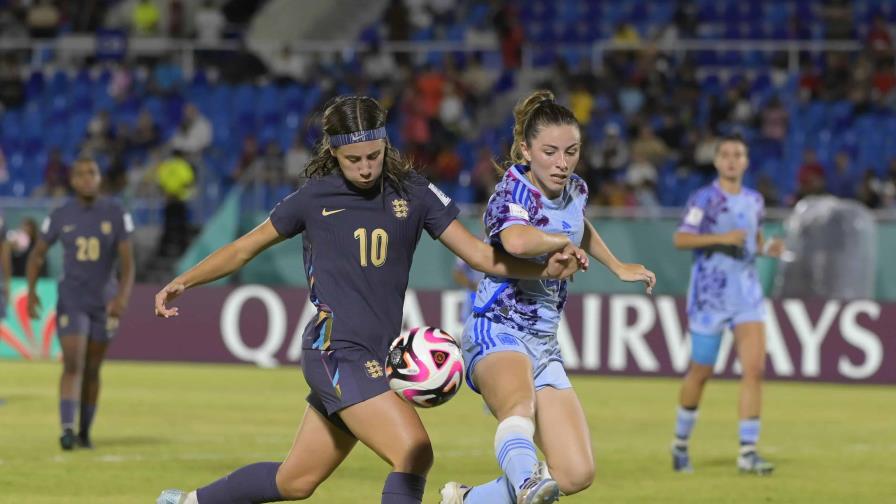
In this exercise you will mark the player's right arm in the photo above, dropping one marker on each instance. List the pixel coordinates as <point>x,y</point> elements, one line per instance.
<point>218,264</point>
<point>685,240</point>
<point>49,231</point>
<point>487,259</point>
<point>523,240</point>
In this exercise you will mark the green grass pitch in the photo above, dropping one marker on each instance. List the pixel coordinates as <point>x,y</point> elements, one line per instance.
<point>182,425</point>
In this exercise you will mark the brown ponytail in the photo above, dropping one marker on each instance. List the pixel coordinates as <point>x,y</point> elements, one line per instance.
<point>531,115</point>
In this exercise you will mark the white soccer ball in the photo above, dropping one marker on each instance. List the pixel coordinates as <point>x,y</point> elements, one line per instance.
<point>425,366</point>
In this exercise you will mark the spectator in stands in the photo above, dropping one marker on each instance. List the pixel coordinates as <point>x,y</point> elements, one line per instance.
<point>447,164</point>
<point>742,112</point>
<point>810,82</point>
<point>581,101</point>
<point>510,34</point>
<point>176,18</point>
<point>705,153</point>
<point>379,66</point>
<point>641,170</point>
<point>769,191</point>
<point>774,122</point>
<point>145,19</point>
<point>10,25</point>
<point>477,80</point>
<point>12,89</point>
<point>879,39</point>
<point>209,23</point>
<point>625,33</point>
<point>43,19</point>
<point>484,176</point>
<point>99,133</point>
<point>297,157</point>
<point>810,178</point>
<point>452,114</point>
<point>248,165</point>
<point>840,181</point>
<point>194,134</point>
<point>838,19</point>
<point>290,66</point>
<point>884,82</point>
<point>55,176</point>
<point>888,187</point>
<point>650,148</point>
<point>869,191</point>
<point>607,158</point>
<point>273,165</point>
<point>397,20</point>
<point>671,130</point>
<point>146,135</point>
<point>176,178</point>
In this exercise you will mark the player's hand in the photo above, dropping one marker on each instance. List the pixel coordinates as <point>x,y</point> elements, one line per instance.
<point>738,238</point>
<point>774,247</point>
<point>561,265</point>
<point>165,296</point>
<point>630,272</point>
<point>34,306</point>
<point>116,307</point>
<point>579,254</point>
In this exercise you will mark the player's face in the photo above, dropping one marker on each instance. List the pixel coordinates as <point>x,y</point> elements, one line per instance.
<point>731,160</point>
<point>362,163</point>
<point>553,156</point>
<point>85,179</point>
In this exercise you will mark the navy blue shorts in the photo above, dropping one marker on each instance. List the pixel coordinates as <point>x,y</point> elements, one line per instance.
<point>90,322</point>
<point>341,378</point>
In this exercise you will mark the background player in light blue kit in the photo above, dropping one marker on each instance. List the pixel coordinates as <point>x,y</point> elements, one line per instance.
<point>509,343</point>
<point>721,223</point>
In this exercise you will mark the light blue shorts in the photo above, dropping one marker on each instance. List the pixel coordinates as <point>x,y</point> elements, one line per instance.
<point>483,337</point>
<point>706,329</point>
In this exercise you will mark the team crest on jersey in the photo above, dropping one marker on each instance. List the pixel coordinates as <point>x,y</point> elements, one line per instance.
<point>63,321</point>
<point>374,369</point>
<point>106,227</point>
<point>400,208</point>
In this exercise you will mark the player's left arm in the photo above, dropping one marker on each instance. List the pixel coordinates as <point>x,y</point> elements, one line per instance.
<point>627,272</point>
<point>483,257</point>
<point>119,303</point>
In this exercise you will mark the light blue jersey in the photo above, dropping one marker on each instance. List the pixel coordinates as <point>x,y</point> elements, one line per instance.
<point>529,305</point>
<point>521,316</point>
<point>724,288</point>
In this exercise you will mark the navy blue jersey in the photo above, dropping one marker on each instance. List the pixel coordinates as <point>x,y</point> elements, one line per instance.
<point>90,235</point>
<point>358,247</point>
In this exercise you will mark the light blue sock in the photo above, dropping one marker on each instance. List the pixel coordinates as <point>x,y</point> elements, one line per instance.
<point>749,431</point>
<point>494,492</point>
<point>684,423</point>
<point>515,449</point>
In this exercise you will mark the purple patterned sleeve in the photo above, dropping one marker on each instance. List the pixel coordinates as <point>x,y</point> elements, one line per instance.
<point>694,213</point>
<point>505,207</point>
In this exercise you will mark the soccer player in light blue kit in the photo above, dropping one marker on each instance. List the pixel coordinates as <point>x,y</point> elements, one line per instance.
<point>721,223</point>
<point>509,343</point>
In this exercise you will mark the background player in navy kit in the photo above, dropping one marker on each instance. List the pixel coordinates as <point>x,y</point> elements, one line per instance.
<point>94,232</point>
<point>722,225</point>
<point>361,215</point>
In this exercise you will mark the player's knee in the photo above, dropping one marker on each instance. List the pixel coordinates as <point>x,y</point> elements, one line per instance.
<point>523,407</point>
<point>576,477</point>
<point>296,488</point>
<point>753,373</point>
<point>700,372</point>
<point>416,457</point>
<point>72,367</point>
<point>92,373</point>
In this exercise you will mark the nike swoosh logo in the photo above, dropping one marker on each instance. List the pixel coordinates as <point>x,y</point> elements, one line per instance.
<point>66,229</point>
<point>326,212</point>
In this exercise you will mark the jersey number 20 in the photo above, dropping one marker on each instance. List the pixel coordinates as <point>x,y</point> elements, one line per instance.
<point>379,245</point>
<point>88,248</point>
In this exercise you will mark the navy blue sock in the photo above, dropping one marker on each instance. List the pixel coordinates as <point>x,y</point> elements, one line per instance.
<point>87,413</point>
<point>67,408</point>
<point>401,488</point>
<point>249,484</point>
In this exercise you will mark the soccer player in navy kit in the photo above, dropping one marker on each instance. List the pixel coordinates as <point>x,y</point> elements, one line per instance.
<point>94,232</point>
<point>361,215</point>
<point>722,225</point>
